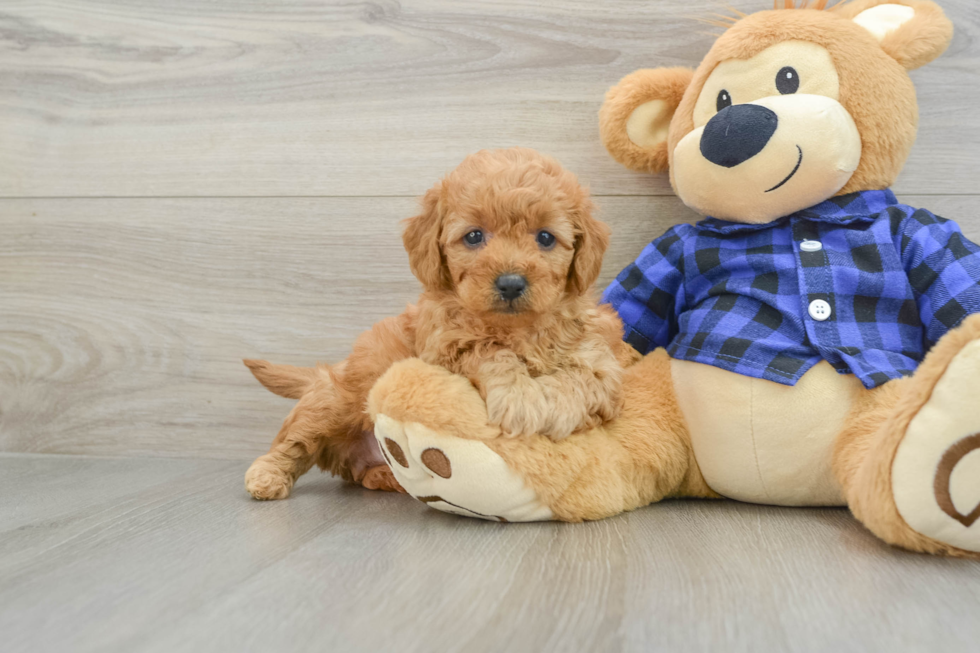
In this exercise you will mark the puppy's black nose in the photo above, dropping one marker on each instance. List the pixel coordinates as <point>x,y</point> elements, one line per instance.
<point>737,133</point>
<point>511,286</point>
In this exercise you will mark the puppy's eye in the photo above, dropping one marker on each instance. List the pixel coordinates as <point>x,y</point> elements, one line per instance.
<point>546,239</point>
<point>724,100</point>
<point>474,238</point>
<point>787,80</point>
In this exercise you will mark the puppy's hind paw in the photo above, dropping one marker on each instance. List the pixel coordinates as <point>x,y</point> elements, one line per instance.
<point>266,482</point>
<point>381,478</point>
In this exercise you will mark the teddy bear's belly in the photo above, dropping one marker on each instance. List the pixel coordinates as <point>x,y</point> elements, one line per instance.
<point>762,442</point>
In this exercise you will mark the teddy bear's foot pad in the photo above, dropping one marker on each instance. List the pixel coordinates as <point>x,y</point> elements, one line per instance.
<point>936,470</point>
<point>455,475</point>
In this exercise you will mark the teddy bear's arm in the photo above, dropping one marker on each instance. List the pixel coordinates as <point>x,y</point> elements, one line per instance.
<point>943,269</point>
<point>648,294</point>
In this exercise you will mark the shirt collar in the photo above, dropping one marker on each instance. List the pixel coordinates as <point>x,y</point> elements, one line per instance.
<point>862,206</point>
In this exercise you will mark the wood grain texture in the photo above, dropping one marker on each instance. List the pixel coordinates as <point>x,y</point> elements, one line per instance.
<point>171,555</point>
<point>124,322</point>
<point>234,97</point>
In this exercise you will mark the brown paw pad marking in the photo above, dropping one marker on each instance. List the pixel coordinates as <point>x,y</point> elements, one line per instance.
<point>944,471</point>
<point>437,461</point>
<point>396,452</point>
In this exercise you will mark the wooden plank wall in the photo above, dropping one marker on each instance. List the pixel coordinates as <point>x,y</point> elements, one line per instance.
<point>184,184</point>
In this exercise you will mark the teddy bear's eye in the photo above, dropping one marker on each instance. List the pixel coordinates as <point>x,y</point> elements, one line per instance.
<point>787,80</point>
<point>724,100</point>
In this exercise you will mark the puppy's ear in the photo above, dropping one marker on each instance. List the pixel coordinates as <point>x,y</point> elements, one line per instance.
<point>635,117</point>
<point>912,32</point>
<point>421,239</point>
<point>591,241</point>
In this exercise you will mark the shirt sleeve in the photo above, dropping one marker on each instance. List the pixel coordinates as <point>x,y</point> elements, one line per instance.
<point>648,294</point>
<point>943,268</point>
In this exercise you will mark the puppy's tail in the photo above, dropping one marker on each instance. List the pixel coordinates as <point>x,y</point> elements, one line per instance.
<point>284,380</point>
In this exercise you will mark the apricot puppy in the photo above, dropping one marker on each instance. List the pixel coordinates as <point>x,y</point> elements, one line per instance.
<point>507,251</point>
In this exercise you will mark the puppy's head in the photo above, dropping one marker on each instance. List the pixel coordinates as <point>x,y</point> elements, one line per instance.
<point>509,232</point>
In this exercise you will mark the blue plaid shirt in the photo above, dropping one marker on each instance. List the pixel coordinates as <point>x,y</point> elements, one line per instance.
<point>860,281</point>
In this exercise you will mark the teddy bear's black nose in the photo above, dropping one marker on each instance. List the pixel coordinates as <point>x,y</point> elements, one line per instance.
<point>737,133</point>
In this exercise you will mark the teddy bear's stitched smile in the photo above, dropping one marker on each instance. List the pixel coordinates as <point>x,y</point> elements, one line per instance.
<point>790,176</point>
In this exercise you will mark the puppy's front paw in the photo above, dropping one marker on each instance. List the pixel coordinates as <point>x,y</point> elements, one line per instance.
<point>266,482</point>
<point>513,412</point>
<point>560,426</point>
<point>559,430</point>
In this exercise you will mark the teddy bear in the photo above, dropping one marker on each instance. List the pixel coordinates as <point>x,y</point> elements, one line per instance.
<point>813,342</point>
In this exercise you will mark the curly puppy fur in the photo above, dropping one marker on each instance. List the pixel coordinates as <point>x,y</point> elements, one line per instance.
<point>549,361</point>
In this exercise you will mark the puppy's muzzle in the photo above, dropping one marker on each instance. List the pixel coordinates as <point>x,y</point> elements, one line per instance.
<point>510,286</point>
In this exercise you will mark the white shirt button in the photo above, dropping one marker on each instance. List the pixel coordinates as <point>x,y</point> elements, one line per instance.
<point>811,246</point>
<point>819,310</point>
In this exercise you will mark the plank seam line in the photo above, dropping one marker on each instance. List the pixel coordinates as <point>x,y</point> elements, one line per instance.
<point>298,197</point>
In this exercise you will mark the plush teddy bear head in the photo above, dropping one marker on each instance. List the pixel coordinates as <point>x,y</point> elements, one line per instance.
<point>789,108</point>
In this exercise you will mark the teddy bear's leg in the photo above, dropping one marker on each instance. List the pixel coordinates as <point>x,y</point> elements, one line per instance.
<point>432,427</point>
<point>909,461</point>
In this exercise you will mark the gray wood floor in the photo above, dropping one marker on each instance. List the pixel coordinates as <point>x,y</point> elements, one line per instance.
<point>170,555</point>
<point>185,183</point>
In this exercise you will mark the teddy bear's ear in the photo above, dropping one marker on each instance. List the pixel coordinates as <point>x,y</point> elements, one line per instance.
<point>635,118</point>
<point>912,32</point>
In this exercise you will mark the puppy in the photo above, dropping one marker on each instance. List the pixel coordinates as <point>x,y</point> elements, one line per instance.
<point>507,252</point>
